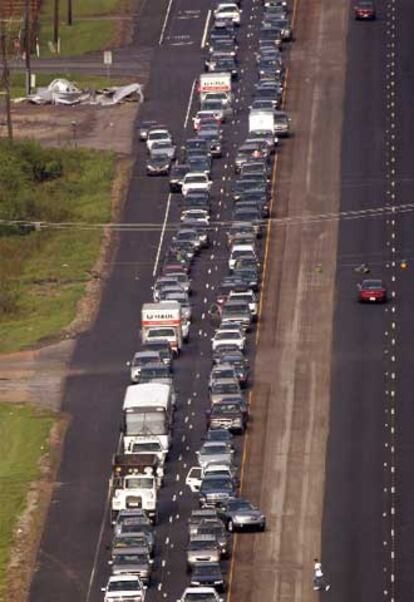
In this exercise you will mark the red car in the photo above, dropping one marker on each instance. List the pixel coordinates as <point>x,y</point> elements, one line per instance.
<point>372,291</point>
<point>365,10</point>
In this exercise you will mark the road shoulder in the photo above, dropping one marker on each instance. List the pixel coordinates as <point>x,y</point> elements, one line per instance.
<point>284,469</point>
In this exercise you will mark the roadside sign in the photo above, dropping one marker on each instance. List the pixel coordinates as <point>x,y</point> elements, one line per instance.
<point>107,57</point>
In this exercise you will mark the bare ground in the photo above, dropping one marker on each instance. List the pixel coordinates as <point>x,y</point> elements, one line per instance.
<point>102,128</point>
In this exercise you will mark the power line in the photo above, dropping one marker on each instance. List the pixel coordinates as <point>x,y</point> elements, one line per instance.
<point>300,220</point>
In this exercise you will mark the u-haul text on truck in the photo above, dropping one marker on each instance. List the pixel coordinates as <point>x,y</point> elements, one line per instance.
<point>214,82</point>
<point>164,321</point>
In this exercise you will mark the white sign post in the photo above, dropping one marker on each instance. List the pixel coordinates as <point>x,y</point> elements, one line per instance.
<point>107,59</point>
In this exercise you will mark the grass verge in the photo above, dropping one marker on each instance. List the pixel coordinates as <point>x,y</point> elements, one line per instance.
<point>44,273</point>
<point>24,440</point>
<point>18,81</point>
<point>92,27</point>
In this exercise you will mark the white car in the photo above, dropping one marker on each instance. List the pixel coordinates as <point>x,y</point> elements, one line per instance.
<point>196,474</point>
<point>124,587</point>
<point>249,296</point>
<point>158,135</point>
<point>239,251</point>
<point>196,181</point>
<point>196,594</point>
<point>228,10</point>
<point>206,114</point>
<point>228,336</point>
<point>224,97</point>
<point>199,215</point>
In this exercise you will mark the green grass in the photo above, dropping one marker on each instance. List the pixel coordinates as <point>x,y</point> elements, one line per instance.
<point>84,35</point>
<point>83,8</point>
<point>51,268</point>
<point>24,433</point>
<point>18,81</point>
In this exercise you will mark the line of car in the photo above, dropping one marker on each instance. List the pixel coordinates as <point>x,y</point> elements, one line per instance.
<point>138,467</point>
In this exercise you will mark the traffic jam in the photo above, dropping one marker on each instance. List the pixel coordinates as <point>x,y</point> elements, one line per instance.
<point>141,462</point>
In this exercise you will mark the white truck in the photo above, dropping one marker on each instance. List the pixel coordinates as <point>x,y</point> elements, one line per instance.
<point>148,410</point>
<point>128,588</point>
<point>213,82</point>
<point>164,321</point>
<point>261,121</point>
<point>134,483</point>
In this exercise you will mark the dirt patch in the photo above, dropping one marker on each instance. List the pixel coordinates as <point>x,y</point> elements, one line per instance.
<point>30,524</point>
<point>102,128</point>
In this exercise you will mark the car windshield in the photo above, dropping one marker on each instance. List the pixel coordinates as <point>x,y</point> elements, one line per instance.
<point>163,144</point>
<point>148,447</point>
<point>130,558</point>
<point>126,586</point>
<point>228,408</point>
<point>211,450</point>
<point>129,542</point>
<point>216,483</point>
<point>205,570</point>
<point>146,423</point>
<point>231,310</point>
<point>158,136</point>
<point>371,285</point>
<point>195,180</point>
<point>159,160</point>
<point>139,483</point>
<point>160,372</point>
<point>200,597</point>
<point>161,332</point>
<point>197,544</point>
<point>225,388</point>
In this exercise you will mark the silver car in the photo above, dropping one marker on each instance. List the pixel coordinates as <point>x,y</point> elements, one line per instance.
<point>163,148</point>
<point>214,452</point>
<point>202,548</point>
<point>132,561</point>
<point>224,388</point>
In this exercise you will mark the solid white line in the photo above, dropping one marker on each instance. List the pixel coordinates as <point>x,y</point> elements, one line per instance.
<point>164,225</point>
<point>204,38</point>
<point>99,544</point>
<point>164,26</point>
<point>190,102</point>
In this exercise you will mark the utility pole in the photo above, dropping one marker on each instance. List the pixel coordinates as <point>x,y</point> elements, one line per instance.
<point>5,80</point>
<point>56,24</point>
<point>70,16</point>
<point>27,45</point>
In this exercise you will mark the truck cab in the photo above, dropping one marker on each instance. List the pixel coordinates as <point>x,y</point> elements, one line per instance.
<point>134,484</point>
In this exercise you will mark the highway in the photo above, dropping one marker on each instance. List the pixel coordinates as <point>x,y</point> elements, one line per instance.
<point>332,385</point>
<point>368,532</point>
<point>72,560</point>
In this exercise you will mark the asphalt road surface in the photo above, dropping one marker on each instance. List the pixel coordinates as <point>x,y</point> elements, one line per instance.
<point>72,560</point>
<point>368,534</point>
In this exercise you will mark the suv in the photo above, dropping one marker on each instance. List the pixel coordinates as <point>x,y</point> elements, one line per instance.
<point>216,489</point>
<point>229,414</point>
